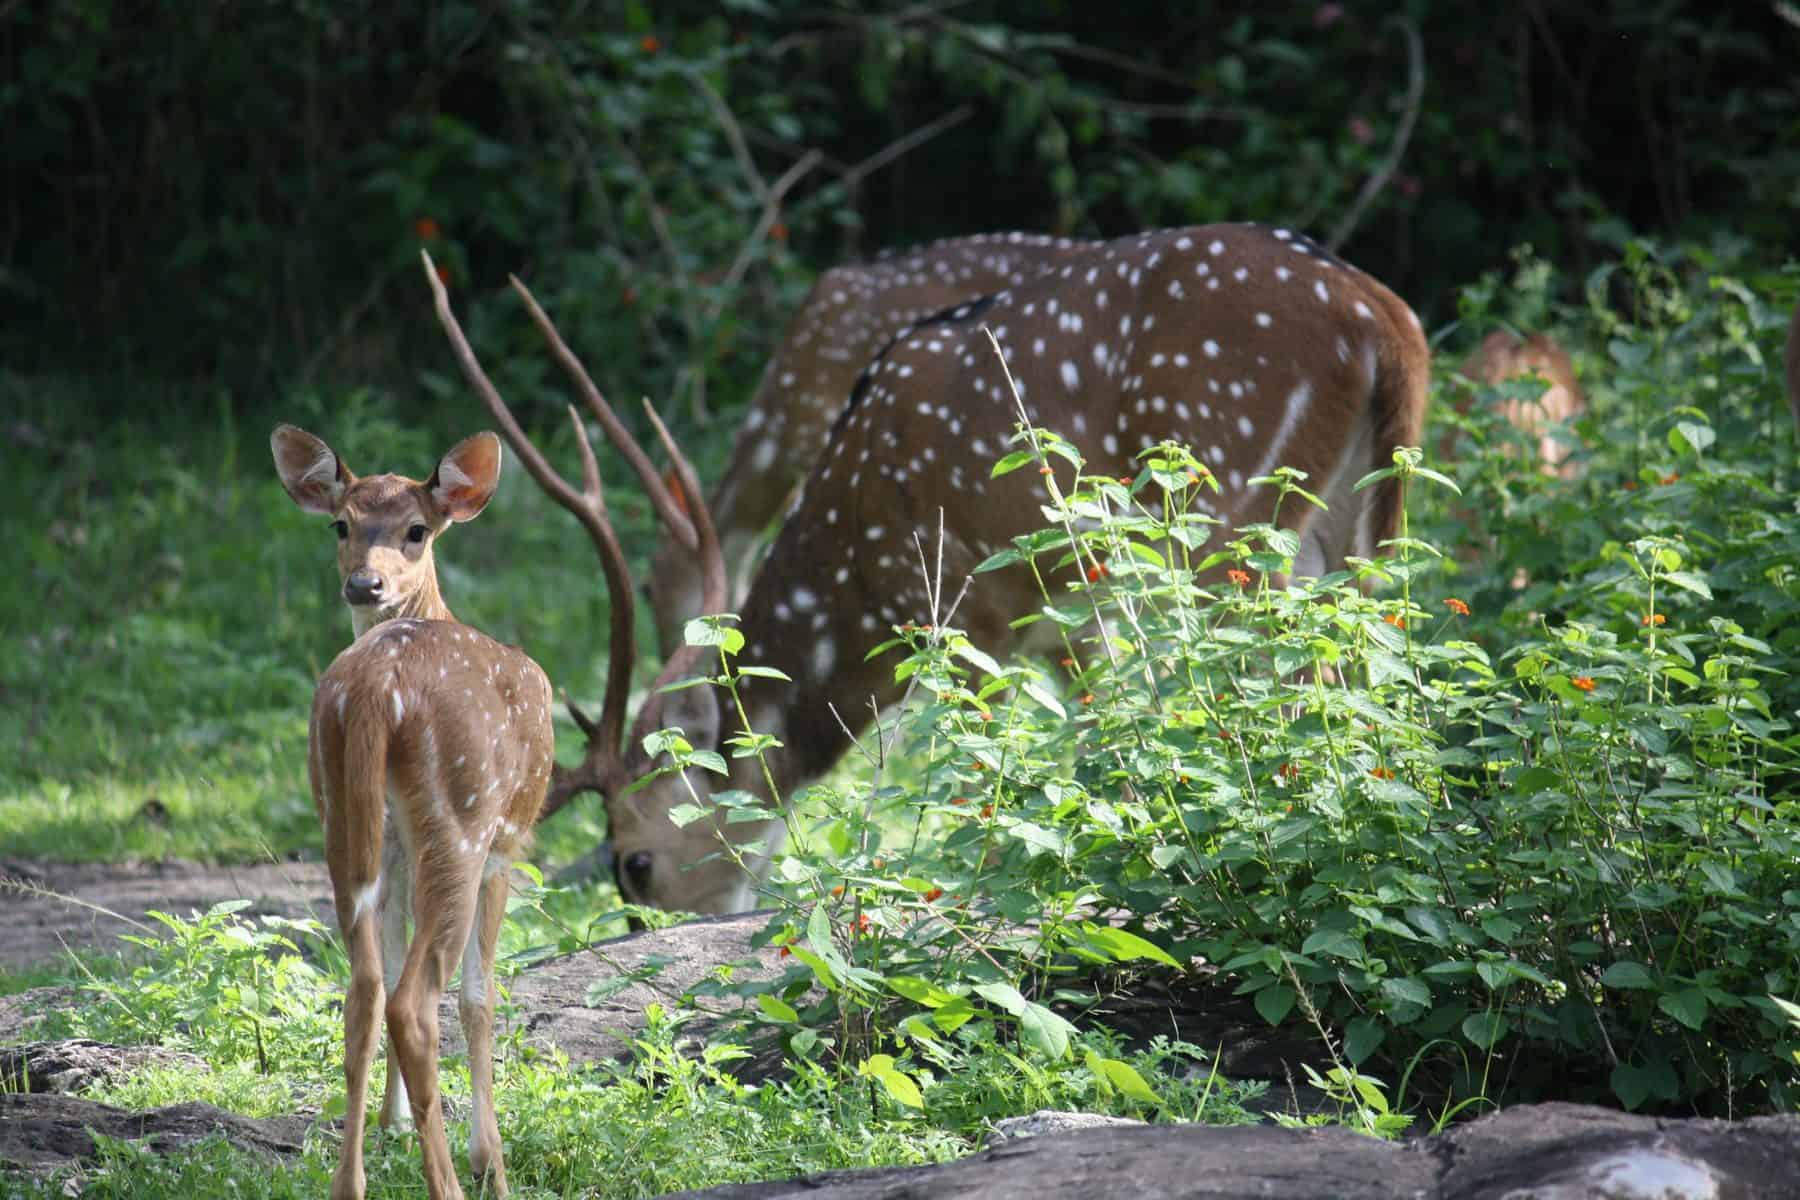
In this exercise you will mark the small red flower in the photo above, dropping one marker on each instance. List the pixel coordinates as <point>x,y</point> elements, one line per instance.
<point>1087,697</point>
<point>649,43</point>
<point>1097,572</point>
<point>987,811</point>
<point>1654,619</point>
<point>1671,477</point>
<point>1629,485</point>
<point>1288,771</point>
<point>932,894</point>
<point>959,800</point>
<point>1241,578</point>
<point>426,228</point>
<point>443,274</point>
<point>1397,622</point>
<point>1583,682</point>
<point>1068,662</point>
<point>1226,734</point>
<point>785,952</point>
<point>1457,606</point>
<point>862,922</point>
<point>1126,480</point>
<point>838,890</point>
<point>1046,470</point>
<point>1381,773</point>
<point>778,231</point>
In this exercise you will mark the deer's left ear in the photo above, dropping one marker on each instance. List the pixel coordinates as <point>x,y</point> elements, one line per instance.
<point>466,477</point>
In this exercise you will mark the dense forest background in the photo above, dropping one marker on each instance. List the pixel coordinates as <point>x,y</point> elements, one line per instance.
<point>233,195</point>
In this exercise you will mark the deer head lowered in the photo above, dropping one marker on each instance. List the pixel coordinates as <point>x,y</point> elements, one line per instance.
<point>429,751</point>
<point>847,317</point>
<point>1251,344</point>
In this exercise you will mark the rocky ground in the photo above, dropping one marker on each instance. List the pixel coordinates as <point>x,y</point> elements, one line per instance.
<point>1537,1152</point>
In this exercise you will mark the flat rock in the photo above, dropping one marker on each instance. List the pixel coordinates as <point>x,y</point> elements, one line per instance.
<point>74,1064</point>
<point>41,1131</point>
<point>1534,1152</point>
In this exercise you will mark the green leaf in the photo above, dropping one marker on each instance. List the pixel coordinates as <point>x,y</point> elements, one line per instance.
<point>756,672</point>
<point>1687,1006</point>
<point>1362,1037</point>
<point>1484,1029</point>
<point>1123,1077</point>
<point>711,631</point>
<point>1123,945</point>
<point>1003,996</point>
<point>777,1009</point>
<point>897,1083</point>
<point>1691,436</point>
<point>1043,1030</point>
<point>1275,1002</point>
<point>1626,975</point>
<point>1012,462</point>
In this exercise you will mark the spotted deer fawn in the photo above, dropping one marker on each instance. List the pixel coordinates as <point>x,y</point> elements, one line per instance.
<point>1251,344</point>
<point>846,318</point>
<point>429,753</point>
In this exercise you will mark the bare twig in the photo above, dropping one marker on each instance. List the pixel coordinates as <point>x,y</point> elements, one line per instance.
<point>1415,91</point>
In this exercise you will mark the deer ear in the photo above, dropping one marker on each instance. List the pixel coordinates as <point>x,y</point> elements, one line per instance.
<point>466,477</point>
<point>695,710</point>
<point>310,470</point>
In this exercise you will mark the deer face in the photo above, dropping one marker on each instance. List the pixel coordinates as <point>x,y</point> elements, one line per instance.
<point>386,524</point>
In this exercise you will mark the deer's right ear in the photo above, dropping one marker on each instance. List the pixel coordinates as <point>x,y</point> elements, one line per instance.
<point>310,470</point>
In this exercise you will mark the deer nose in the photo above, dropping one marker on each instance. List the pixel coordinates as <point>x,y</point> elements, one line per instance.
<point>363,587</point>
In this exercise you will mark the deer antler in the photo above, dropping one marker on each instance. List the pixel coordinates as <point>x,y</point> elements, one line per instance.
<point>602,765</point>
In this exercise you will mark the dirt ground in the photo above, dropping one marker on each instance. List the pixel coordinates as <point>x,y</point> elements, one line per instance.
<point>45,907</point>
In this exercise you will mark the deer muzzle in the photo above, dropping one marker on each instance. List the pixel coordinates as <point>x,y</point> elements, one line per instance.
<point>363,587</point>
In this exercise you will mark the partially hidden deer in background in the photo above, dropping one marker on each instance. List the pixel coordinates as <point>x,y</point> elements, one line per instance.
<point>429,752</point>
<point>848,315</point>
<point>1250,344</point>
<point>1503,355</point>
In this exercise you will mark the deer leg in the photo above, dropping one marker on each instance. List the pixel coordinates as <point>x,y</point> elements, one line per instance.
<point>362,1025</point>
<point>475,1007</point>
<point>443,908</point>
<point>396,902</point>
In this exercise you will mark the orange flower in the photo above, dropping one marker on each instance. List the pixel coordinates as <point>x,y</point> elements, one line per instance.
<point>1457,606</point>
<point>1097,572</point>
<point>1241,578</point>
<point>862,922</point>
<point>1046,470</point>
<point>778,231</point>
<point>1193,478</point>
<point>959,800</point>
<point>1397,622</point>
<point>984,714</point>
<point>1583,682</point>
<point>838,890</point>
<point>878,863</point>
<point>1087,698</point>
<point>932,894</point>
<point>1630,485</point>
<point>1671,477</point>
<point>1381,773</point>
<point>1654,619</point>
<point>443,274</point>
<point>785,952</point>
<point>987,811</point>
<point>1068,662</point>
<point>1126,480</point>
<point>1288,770</point>
<point>649,43</point>
<point>426,228</point>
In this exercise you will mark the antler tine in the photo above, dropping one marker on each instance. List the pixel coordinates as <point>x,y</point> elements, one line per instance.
<point>666,508</point>
<point>588,508</point>
<point>713,586</point>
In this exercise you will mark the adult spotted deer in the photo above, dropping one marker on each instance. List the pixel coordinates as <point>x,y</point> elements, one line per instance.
<point>429,753</point>
<point>1251,344</point>
<point>847,317</point>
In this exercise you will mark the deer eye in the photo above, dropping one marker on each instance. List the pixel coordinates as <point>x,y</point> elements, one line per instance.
<point>636,875</point>
<point>417,533</point>
<point>342,528</point>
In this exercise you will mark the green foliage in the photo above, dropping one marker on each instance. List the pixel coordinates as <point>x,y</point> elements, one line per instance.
<point>1561,866</point>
